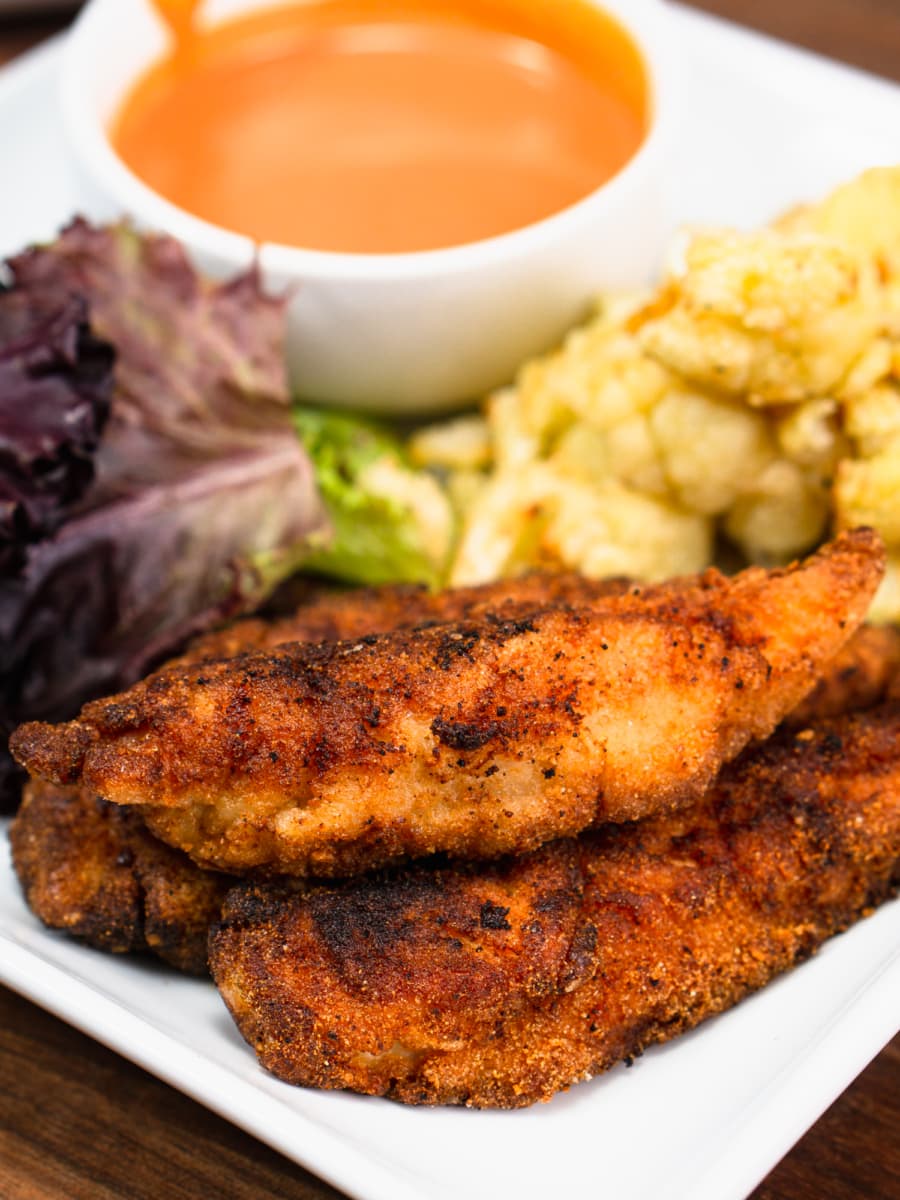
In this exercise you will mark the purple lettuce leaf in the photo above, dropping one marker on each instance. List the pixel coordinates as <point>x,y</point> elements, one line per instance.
<point>55,389</point>
<point>203,499</point>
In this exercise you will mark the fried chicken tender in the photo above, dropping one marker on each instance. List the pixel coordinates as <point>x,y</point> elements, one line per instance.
<point>857,678</point>
<point>476,738</point>
<point>499,985</point>
<point>92,870</point>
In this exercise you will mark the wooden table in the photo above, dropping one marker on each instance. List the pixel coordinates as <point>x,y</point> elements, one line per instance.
<point>79,1123</point>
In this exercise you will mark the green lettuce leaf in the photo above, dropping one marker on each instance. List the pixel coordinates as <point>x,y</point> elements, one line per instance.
<point>389,522</point>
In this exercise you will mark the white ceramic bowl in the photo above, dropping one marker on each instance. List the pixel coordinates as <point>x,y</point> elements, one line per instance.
<point>402,333</point>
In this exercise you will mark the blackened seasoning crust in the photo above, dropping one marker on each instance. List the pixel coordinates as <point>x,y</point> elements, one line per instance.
<point>91,869</point>
<point>493,916</point>
<point>588,734</point>
<point>498,985</point>
<point>461,736</point>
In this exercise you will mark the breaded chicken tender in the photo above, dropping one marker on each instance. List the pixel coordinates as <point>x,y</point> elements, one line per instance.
<point>91,869</point>
<point>499,985</point>
<point>858,677</point>
<point>476,738</point>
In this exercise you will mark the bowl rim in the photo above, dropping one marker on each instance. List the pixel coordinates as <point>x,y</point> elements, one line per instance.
<point>647,22</point>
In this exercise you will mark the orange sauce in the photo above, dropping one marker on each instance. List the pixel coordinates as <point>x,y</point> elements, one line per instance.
<point>377,126</point>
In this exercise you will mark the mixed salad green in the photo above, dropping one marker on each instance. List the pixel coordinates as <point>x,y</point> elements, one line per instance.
<point>155,476</point>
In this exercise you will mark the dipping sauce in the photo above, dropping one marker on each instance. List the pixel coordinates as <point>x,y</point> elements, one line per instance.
<point>384,126</point>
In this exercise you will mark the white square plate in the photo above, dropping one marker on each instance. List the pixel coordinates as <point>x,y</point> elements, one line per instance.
<point>706,1117</point>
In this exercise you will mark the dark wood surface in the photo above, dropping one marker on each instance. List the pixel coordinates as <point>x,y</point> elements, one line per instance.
<point>79,1123</point>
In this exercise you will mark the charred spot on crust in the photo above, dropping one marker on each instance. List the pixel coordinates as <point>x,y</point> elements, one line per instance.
<point>249,904</point>
<point>556,903</point>
<point>462,735</point>
<point>581,960</point>
<point>369,917</point>
<point>493,916</point>
<point>456,644</point>
<point>123,716</point>
<point>460,641</point>
<point>506,628</point>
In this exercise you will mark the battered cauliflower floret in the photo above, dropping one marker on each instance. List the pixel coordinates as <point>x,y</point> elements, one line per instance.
<point>886,605</point>
<point>754,399</point>
<point>538,516</point>
<point>780,516</point>
<point>711,448</point>
<point>867,492</point>
<point>872,420</point>
<point>600,376</point>
<point>867,479</point>
<point>458,444</point>
<point>810,435</point>
<point>863,214</point>
<point>770,317</point>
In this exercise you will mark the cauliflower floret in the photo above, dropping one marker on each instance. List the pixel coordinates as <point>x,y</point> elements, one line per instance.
<point>886,604</point>
<point>627,452</point>
<point>458,444</point>
<point>537,516</point>
<point>613,530</point>
<point>782,514</point>
<point>867,484</point>
<point>878,361</point>
<point>464,490</point>
<point>810,435</point>
<point>600,376</point>
<point>712,449</point>
<point>867,492</point>
<point>756,395</point>
<point>873,419</point>
<point>514,439</point>
<point>770,317</point>
<point>864,214</point>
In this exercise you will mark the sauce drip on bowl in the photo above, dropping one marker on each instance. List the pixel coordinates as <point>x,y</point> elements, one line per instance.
<point>380,126</point>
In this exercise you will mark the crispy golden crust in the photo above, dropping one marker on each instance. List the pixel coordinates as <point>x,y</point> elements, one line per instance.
<point>500,985</point>
<point>92,870</point>
<point>477,738</point>
<point>858,677</point>
<point>334,616</point>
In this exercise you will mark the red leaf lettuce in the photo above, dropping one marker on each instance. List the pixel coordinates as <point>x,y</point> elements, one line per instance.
<point>198,498</point>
